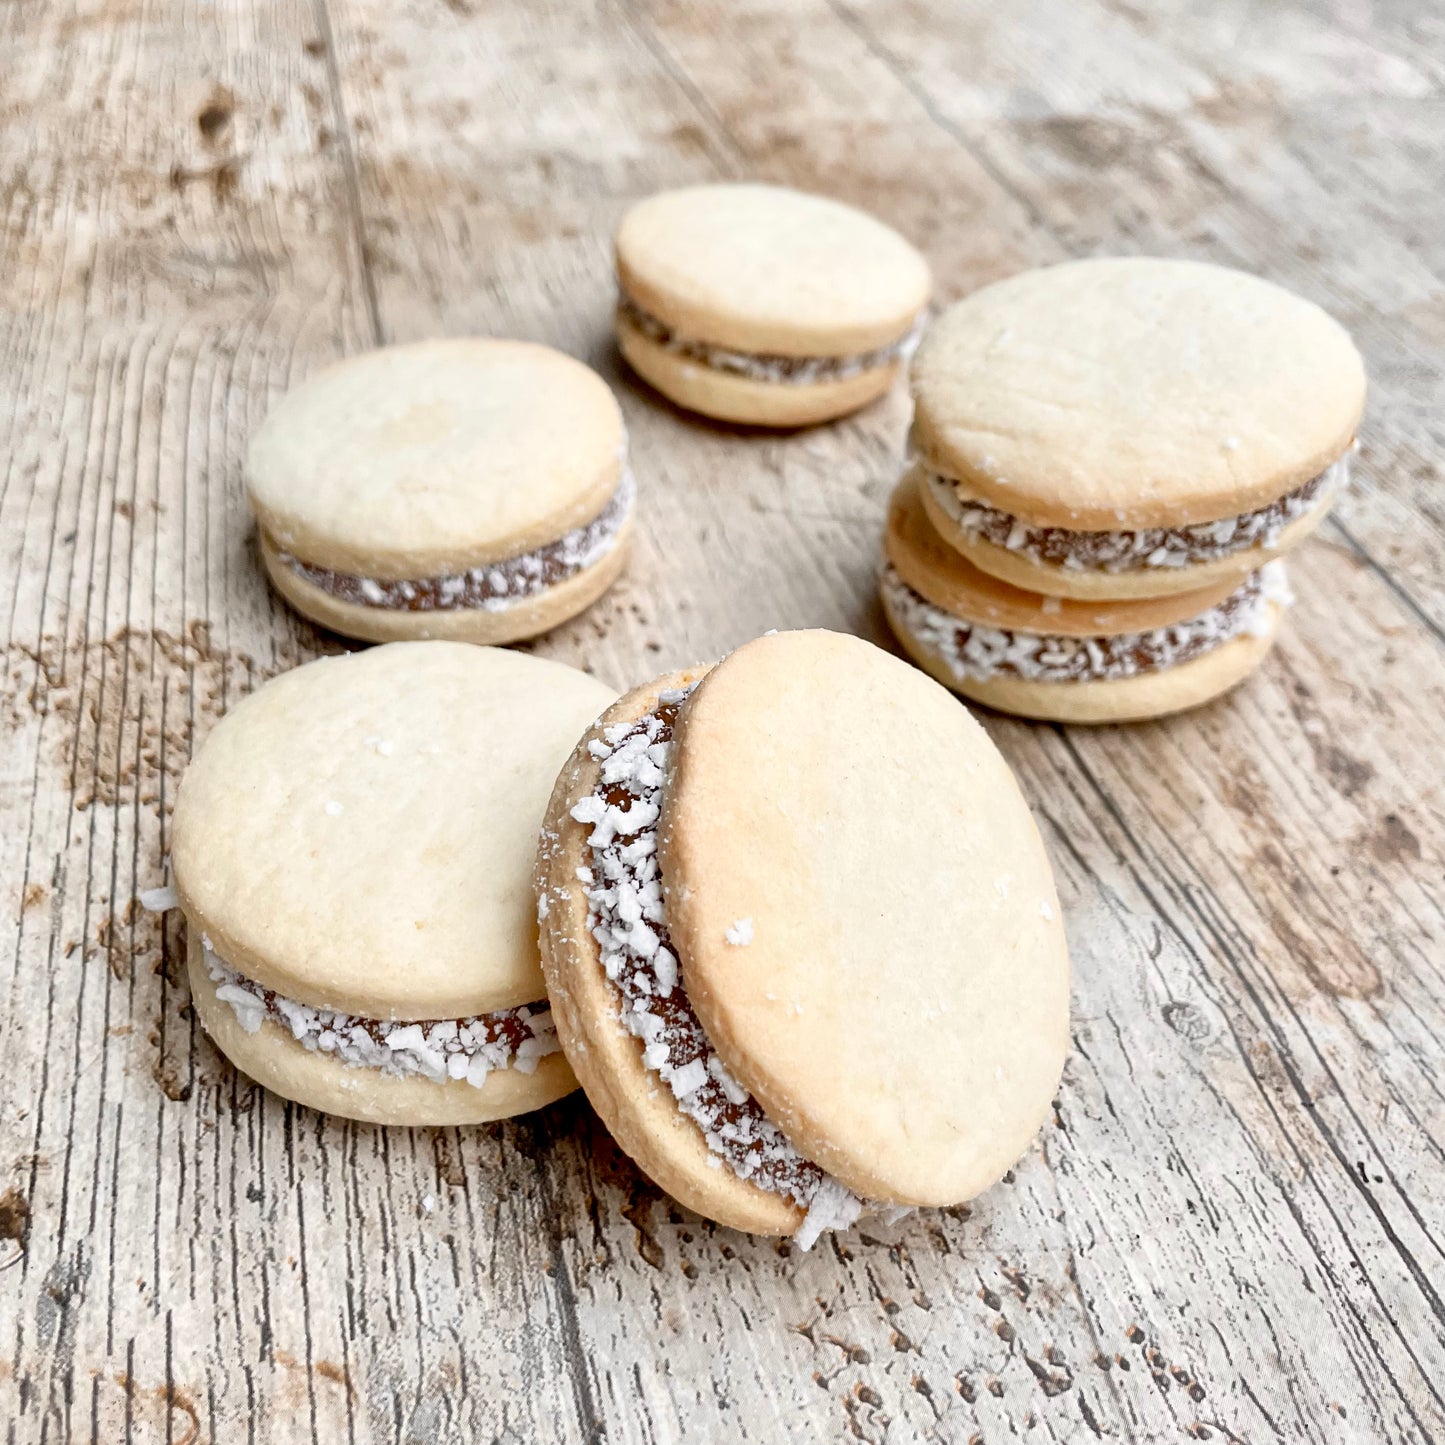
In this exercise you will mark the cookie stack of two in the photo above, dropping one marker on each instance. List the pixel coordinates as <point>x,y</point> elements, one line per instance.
<point>1110,458</point>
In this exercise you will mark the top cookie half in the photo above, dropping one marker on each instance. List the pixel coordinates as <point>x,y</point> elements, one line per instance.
<point>428,459</point>
<point>1134,393</point>
<point>766,270</point>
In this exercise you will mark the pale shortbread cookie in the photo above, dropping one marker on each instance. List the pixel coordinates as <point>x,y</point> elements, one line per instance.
<point>356,838</point>
<point>1120,396</point>
<point>764,305</point>
<point>727,908</point>
<point>898,1002</point>
<point>472,488</point>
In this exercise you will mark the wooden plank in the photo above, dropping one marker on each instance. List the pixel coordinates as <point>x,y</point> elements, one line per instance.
<point>1231,1229</point>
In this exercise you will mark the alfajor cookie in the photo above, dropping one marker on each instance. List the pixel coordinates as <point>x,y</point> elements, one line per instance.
<point>1067,659</point>
<point>1132,427</point>
<point>352,848</point>
<point>763,305</point>
<point>801,938</point>
<point>475,490</point>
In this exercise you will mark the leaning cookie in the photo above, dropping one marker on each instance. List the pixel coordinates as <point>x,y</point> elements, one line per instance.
<point>352,849</point>
<point>1065,659</point>
<point>473,490</point>
<point>801,938</point>
<point>1132,427</point>
<point>763,305</point>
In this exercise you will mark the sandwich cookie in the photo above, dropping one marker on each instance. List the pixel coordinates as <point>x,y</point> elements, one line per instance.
<point>352,848</point>
<point>1067,659</point>
<point>1132,427</point>
<point>473,489</point>
<point>801,938</point>
<point>763,305</point>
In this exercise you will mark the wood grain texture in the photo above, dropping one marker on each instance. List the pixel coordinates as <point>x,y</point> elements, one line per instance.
<point>1233,1228</point>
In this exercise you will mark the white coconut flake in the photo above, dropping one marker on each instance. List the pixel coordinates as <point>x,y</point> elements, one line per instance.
<point>159,900</point>
<point>973,652</point>
<point>440,1050</point>
<point>333,808</point>
<point>834,1207</point>
<point>790,370</point>
<point>493,586</point>
<point>627,918</point>
<point>1156,549</point>
<point>741,933</point>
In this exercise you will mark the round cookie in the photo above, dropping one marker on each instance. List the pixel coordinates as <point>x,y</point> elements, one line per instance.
<point>802,939</point>
<point>763,305</point>
<point>1067,659</point>
<point>1128,427</point>
<point>352,848</point>
<point>472,489</point>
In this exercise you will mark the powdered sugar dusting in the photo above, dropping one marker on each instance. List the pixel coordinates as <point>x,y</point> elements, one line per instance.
<point>627,917</point>
<point>440,1050</point>
<point>1155,548</point>
<point>973,652</point>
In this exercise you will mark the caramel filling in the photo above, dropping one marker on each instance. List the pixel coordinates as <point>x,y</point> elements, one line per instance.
<point>494,586</point>
<point>1159,547</point>
<point>763,366</point>
<point>973,652</point>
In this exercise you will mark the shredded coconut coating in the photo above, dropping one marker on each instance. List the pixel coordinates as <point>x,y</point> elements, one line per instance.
<point>1156,548</point>
<point>973,652</point>
<point>440,1050</point>
<point>627,917</point>
<point>759,366</point>
<point>494,586</point>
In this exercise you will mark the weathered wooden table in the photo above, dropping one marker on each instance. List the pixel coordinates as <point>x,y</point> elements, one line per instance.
<point>1233,1228</point>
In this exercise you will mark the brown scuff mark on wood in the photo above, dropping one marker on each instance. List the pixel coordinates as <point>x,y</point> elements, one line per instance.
<point>172,1399</point>
<point>214,118</point>
<point>14,1223</point>
<point>124,704</point>
<point>638,1213</point>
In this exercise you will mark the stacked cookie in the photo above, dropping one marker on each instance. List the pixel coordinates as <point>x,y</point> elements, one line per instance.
<point>1110,457</point>
<point>471,489</point>
<point>764,305</point>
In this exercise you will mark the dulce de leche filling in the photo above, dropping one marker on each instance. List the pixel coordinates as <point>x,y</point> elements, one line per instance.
<point>628,919</point>
<point>765,366</point>
<point>438,1049</point>
<point>494,586</point>
<point>974,652</point>
<point>1123,551</point>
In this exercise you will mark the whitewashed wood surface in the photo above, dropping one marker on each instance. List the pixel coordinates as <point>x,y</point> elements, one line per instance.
<point>1233,1228</point>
